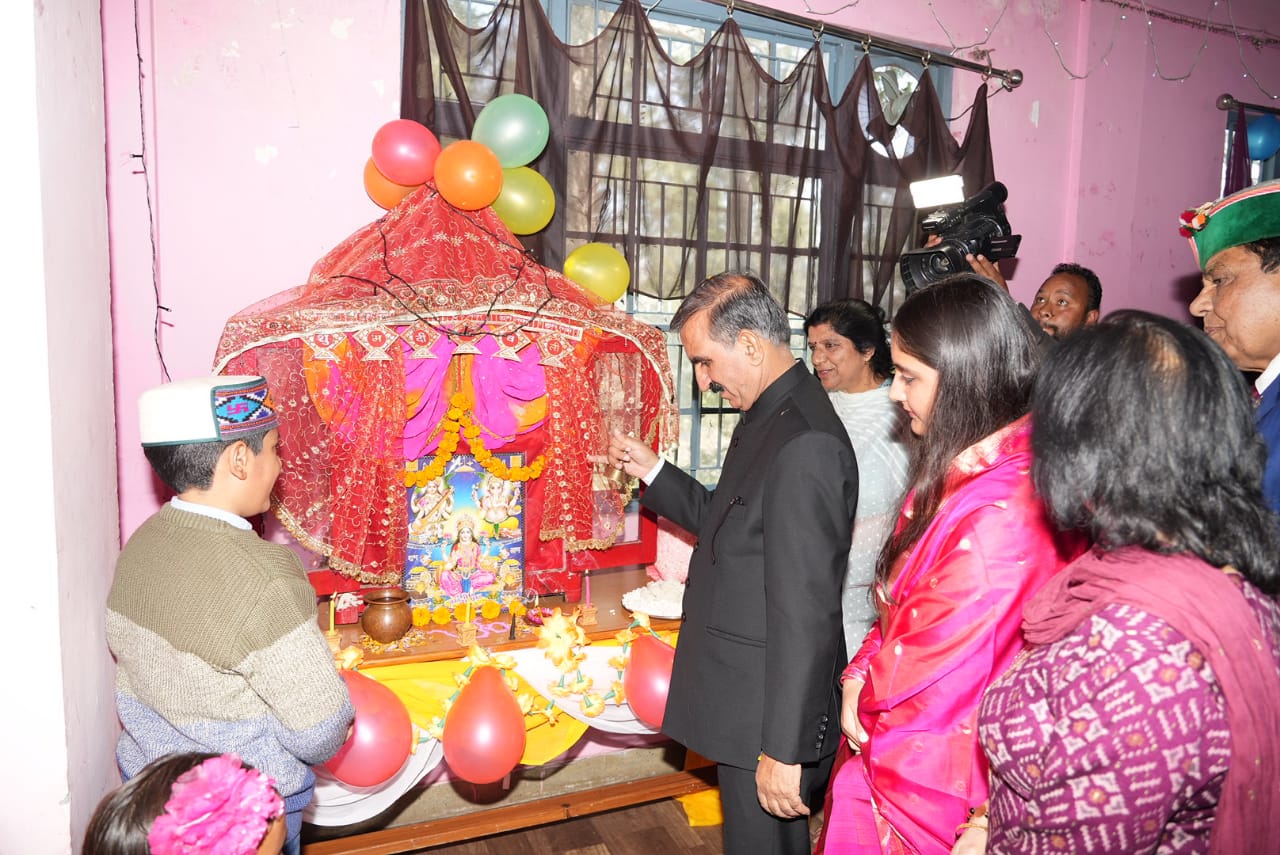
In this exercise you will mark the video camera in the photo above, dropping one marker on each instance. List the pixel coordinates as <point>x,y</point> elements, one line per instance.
<point>976,226</point>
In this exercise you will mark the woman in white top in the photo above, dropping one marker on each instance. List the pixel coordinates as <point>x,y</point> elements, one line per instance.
<point>850,352</point>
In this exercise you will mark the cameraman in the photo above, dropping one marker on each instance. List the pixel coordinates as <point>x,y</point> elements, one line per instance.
<point>1069,299</point>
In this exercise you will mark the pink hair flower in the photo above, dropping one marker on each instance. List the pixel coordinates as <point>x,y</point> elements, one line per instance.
<point>217,808</point>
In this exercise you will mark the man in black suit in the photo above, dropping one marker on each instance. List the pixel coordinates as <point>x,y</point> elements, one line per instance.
<point>754,686</point>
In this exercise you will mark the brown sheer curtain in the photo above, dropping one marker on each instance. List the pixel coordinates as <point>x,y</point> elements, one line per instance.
<point>693,168</point>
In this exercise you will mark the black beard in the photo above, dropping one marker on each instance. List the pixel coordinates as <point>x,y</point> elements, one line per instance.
<point>715,387</point>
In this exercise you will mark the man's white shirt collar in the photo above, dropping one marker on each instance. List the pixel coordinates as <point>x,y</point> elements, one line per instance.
<point>1267,377</point>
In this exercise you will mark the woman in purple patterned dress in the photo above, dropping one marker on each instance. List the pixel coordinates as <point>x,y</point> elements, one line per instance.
<point>1146,717</point>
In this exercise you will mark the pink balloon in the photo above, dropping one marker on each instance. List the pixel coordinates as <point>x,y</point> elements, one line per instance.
<point>648,679</point>
<point>380,738</point>
<point>484,733</point>
<point>405,152</point>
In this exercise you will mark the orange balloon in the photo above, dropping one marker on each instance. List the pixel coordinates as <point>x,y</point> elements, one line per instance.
<point>382,190</point>
<point>468,175</point>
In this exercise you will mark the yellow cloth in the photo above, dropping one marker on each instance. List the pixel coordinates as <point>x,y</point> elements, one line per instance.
<point>425,686</point>
<point>703,808</point>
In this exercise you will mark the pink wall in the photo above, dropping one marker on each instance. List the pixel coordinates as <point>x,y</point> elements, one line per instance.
<point>259,122</point>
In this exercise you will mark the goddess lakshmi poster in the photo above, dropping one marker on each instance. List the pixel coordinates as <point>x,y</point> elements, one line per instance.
<point>466,535</point>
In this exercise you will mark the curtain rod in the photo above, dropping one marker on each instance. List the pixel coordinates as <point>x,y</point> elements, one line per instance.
<point>1009,78</point>
<point>1226,102</point>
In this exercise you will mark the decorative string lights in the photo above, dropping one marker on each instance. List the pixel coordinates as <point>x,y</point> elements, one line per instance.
<point>1258,39</point>
<point>955,48</point>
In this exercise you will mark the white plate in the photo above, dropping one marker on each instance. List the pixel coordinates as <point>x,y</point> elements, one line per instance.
<point>335,803</point>
<point>660,598</point>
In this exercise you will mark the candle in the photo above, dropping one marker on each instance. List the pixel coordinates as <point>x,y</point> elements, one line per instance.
<point>586,585</point>
<point>333,600</point>
<point>468,611</point>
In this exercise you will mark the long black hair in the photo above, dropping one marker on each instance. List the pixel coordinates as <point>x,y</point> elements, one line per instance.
<point>861,323</point>
<point>1143,435</point>
<point>977,338</point>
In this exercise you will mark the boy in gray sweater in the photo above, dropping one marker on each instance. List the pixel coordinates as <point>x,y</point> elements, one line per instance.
<point>214,629</point>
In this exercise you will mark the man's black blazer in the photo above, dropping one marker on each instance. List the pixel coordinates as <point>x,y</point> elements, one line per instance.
<point>762,645</point>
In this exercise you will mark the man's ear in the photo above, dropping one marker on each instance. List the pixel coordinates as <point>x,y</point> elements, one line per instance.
<point>236,457</point>
<point>1091,317</point>
<point>751,345</point>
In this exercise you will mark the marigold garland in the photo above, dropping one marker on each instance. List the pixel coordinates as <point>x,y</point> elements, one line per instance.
<point>477,657</point>
<point>457,424</point>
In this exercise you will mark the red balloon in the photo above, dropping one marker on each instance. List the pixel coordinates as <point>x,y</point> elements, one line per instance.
<point>380,738</point>
<point>405,152</point>
<point>484,733</point>
<point>648,678</point>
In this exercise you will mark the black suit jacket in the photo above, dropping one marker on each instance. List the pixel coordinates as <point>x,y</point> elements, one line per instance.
<point>762,645</point>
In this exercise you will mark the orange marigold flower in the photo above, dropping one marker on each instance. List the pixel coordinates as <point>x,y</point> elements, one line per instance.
<point>490,610</point>
<point>421,616</point>
<point>440,615</point>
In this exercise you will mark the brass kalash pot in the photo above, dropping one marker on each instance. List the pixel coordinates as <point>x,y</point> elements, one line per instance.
<point>387,615</point>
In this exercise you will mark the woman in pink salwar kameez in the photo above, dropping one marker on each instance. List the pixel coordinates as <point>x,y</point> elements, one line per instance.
<point>971,546</point>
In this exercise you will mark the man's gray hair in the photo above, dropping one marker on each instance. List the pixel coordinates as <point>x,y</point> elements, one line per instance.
<point>735,302</point>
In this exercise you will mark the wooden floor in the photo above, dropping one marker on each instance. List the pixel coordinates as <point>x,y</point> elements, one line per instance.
<point>657,827</point>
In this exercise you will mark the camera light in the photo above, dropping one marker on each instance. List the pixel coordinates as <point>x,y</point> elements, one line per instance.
<point>935,192</point>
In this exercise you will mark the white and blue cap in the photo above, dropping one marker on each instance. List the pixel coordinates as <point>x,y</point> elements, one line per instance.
<point>205,409</point>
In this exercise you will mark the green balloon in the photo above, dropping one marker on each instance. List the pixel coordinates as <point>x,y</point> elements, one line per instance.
<point>526,203</point>
<point>514,128</point>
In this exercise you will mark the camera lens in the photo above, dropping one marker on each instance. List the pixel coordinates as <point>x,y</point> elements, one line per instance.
<point>940,265</point>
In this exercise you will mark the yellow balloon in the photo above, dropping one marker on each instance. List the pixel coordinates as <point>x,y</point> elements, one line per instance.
<point>600,269</point>
<point>526,202</point>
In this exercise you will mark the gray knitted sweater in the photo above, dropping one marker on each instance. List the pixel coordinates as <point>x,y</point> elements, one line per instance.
<point>215,636</point>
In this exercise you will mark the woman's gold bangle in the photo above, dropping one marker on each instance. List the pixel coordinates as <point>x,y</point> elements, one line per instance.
<point>960,829</point>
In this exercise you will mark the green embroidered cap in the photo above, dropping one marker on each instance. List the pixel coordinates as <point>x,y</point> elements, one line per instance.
<point>1244,217</point>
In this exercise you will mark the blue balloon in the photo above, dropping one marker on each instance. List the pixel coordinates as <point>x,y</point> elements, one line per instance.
<point>1264,136</point>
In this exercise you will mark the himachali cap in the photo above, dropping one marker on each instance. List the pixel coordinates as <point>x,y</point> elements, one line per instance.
<point>1250,215</point>
<point>205,409</point>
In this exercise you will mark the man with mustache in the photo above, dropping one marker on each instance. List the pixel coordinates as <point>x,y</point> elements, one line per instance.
<point>754,686</point>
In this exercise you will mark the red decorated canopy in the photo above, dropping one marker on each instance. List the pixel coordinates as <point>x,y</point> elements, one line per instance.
<point>421,309</point>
